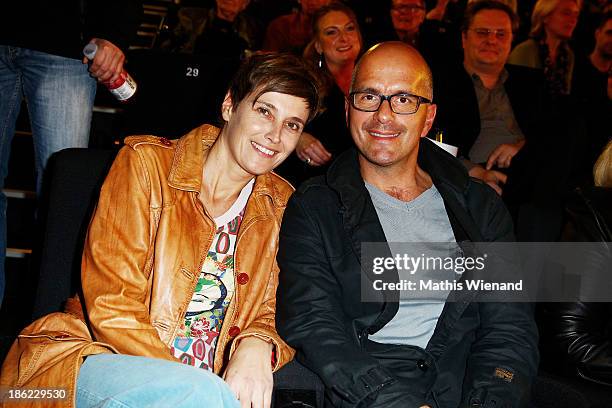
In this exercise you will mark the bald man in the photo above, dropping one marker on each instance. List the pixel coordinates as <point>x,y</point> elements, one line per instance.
<point>389,348</point>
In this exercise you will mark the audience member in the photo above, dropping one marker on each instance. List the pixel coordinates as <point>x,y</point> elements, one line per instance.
<point>41,61</point>
<point>333,52</point>
<point>486,107</point>
<point>292,32</point>
<point>592,89</point>
<point>390,352</point>
<point>601,57</point>
<point>179,262</point>
<point>435,40</point>
<point>224,30</point>
<point>575,336</point>
<point>552,25</point>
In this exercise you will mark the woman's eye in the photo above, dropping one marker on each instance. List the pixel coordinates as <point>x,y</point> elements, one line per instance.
<point>350,28</point>
<point>263,111</point>
<point>331,32</point>
<point>293,126</point>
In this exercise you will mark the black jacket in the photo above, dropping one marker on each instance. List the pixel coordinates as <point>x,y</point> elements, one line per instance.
<point>458,115</point>
<point>577,336</point>
<point>320,312</point>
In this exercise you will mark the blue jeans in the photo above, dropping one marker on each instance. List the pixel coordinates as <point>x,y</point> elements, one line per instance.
<point>59,94</point>
<point>121,381</point>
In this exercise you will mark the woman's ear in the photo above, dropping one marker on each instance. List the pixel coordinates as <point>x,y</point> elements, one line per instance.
<point>318,47</point>
<point>227,107</point>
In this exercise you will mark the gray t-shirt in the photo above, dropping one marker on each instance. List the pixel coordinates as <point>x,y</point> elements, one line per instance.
<point>422,220</point>
<point>497,122</point>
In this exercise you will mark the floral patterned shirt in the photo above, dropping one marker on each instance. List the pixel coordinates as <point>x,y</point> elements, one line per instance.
<point>196,339</point>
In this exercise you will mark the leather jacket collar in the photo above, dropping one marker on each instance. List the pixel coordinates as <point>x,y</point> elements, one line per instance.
<point>191,151</point>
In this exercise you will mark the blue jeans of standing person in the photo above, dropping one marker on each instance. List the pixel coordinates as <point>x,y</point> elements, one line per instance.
<point>59,94</point>
<point>121,381</point>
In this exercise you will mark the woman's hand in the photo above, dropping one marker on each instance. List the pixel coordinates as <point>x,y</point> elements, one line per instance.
<point>310,150</point>
<point>249,373</point>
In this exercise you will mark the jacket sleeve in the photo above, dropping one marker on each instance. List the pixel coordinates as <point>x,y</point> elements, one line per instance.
<point>264,328</point>
<point>579,336</point>
<point>504,357</point>
<point>310,316</point>
<point>117,261</point>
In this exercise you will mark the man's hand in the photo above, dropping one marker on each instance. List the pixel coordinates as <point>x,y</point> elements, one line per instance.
<point>491,177</point>
<point>309,147</point>
<point>503,154</point>
<point>108,62</point>
<point>249,373</point>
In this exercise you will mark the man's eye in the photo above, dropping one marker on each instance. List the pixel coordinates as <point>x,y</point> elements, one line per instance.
<point>368,97</point>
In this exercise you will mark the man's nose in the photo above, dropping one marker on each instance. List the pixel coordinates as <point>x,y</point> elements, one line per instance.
<point>384,112</point>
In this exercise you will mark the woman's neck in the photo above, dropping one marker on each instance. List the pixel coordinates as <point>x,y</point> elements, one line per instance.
<point>222,179</point>
<point>553,42</point>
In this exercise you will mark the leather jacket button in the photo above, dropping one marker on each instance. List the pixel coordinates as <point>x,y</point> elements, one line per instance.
<point>165,141</point>
<point>423,366</point>
<point>234,331</point>
<point>242,278</point>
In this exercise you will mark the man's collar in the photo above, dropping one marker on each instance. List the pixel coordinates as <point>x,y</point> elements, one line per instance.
<point>345,178</point>
<point>503,76</point>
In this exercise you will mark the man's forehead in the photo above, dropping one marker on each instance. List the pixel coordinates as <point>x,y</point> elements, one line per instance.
<point>405,2</point>
<point>392,76</point>
<point>491,16</point>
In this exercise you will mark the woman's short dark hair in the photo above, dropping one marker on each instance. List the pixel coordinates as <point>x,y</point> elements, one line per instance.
<point>273,72</point>
<point>476,7</point>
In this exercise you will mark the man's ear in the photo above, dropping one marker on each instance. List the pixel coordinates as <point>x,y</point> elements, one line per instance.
<point>347,106</point>
<point>429,118</point>
<point>227,107</point>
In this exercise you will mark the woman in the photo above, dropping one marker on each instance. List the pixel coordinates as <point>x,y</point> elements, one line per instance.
<point>179,261</point>
<point>335,47</point>
<point>552,25</point>
<point>576,339</point>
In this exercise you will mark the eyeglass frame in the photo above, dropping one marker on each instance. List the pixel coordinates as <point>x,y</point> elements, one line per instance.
<point>485,33</point>
<point>420,100</point>
<point>408,8</point>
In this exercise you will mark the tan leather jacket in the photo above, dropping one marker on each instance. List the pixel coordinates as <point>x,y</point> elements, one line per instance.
<point>144,249</point>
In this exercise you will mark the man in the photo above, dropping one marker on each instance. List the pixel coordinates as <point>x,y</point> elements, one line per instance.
<point>41,62</point>
<point>395,188</point>
<point>601,57</point>
<point>407,23</point>
<point>487,108</point>
<point>222,31</point>
<point>291,32</point>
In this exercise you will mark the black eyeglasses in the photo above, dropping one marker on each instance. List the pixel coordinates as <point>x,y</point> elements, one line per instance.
<point>404,9</point>
<point>484,33</point>
<point>400,103</point>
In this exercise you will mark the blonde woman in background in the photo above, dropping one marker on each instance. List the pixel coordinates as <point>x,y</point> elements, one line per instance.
<point>552,25</point>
